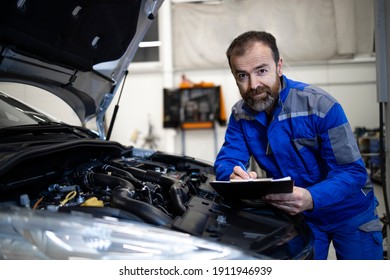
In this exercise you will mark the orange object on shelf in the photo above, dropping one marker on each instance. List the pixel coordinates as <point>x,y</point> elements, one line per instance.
<point>197,125</point>
<point>185,83</point>
<point>222,117</point>
<point>222,109</point>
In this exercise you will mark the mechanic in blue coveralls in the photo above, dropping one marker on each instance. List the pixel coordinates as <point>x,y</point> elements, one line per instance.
<point>298,130</point>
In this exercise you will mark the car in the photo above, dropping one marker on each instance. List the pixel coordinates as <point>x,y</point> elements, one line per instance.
<point>69,192</point>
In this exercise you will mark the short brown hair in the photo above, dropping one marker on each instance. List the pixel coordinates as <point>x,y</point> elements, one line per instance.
<point>245,40</point>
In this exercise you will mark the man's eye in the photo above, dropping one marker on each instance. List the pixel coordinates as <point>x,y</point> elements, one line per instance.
<point>262,71</point>
<point>241,76</point>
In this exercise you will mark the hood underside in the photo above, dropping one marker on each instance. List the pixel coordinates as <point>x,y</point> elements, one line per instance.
<point>77,49</point>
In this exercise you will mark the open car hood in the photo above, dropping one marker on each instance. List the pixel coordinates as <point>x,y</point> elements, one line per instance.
<point>78,50</point>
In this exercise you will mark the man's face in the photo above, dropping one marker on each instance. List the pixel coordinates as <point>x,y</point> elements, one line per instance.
<point>257,77</point>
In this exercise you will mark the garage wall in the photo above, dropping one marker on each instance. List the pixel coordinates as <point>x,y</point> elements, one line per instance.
<point>201,31</point>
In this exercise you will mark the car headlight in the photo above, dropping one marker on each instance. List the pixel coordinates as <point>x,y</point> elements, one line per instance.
<point>32,234</point>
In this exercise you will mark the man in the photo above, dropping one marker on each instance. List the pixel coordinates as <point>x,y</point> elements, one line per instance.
<point>293,129</point>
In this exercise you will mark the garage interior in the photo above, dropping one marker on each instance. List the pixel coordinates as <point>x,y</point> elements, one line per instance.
<point>341,46</point>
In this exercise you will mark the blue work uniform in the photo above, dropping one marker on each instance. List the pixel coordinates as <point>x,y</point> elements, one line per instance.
<point>309,138</point>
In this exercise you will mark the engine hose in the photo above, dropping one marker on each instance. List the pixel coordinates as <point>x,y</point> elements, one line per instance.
<point>179,195</point>
<point>123,174</point>
<point>121,199</point>
<point>98,179</point>
<point>178,191</point>
<point>153,177</point>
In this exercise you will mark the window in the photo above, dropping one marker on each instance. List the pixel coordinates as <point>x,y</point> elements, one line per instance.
<point>148,50</point>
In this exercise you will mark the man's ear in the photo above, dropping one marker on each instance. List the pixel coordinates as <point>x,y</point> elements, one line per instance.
<point>279,67</point>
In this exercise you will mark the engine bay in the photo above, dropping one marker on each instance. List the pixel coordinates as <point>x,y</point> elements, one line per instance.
<point>144,186</point>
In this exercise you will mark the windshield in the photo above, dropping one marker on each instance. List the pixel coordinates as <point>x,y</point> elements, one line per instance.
<point>14,113</point>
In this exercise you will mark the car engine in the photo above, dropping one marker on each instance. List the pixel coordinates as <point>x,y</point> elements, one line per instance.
<point>104,179</point>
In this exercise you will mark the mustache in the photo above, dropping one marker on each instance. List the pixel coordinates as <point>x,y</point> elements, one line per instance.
<point>258,90</point>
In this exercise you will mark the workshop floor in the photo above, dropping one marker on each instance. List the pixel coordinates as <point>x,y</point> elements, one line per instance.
<point>381,212</point>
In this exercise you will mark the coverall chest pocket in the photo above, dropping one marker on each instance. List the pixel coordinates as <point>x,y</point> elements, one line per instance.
<point>307,150</point>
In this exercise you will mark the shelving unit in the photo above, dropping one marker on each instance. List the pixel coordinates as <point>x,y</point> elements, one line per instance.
<point>193,108</point>
<point>369,149</point>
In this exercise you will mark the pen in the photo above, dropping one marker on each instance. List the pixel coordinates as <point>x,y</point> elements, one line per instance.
<point>243,168</point>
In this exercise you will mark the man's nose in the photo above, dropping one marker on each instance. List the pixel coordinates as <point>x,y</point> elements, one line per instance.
<point>254,83</point>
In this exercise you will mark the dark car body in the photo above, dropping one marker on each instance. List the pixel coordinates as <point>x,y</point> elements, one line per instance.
<point>67,192</point>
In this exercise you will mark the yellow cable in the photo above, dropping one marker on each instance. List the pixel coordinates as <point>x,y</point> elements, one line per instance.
<point>68,197</point>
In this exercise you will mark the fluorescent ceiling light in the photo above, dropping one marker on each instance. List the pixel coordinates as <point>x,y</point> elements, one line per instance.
<point>150,44</point>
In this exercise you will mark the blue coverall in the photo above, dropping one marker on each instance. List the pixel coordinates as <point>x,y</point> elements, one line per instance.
<point>310,139</point>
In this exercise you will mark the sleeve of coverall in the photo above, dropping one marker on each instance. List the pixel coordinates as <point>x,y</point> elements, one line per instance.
<point>346,170</point>
<point>234,149</point>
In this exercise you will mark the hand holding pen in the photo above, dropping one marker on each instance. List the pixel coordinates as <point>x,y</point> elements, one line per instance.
<point>240,172</point>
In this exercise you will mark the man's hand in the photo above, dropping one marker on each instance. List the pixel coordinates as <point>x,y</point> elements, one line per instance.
<point>239,173</point>
<point>293,203</point>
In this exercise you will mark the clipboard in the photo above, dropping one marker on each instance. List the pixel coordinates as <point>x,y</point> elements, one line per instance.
<point>253,188</point>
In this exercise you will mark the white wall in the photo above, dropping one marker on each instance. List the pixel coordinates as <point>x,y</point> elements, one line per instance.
<point>141,102</point>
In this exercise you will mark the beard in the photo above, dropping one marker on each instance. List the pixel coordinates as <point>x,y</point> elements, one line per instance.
<point>259,104</point>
